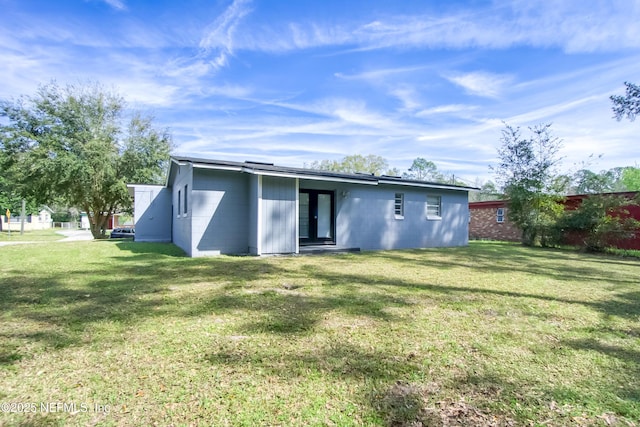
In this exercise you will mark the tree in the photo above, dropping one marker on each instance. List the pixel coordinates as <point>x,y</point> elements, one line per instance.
<point>10,188</point>
<point>424,170</point>
<point>528,178</point>
<point>599,221</point>
<point>628,105</point>
<point>355,163</point>
<point>631,178</point>
<point>588,182</point>
<point>488,191</point>
<point>68,143</point>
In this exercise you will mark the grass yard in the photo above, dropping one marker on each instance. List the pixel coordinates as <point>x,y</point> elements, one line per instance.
<point>491,334</point>
<point>30,236</point>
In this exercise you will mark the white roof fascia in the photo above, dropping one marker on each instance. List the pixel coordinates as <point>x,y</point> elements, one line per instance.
<point>425,185</point>
<point>217,167</point>
<point>309,177</point>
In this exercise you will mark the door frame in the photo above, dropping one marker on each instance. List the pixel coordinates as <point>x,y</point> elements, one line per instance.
<point>313,238</point>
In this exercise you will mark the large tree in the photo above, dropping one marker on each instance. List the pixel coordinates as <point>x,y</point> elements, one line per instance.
<point>424,170</point>
<point>586,181</point>
<point>629,104</point>
<point>73,143</point>
<point>355,163</point>
<point>488,191</point>
<point>631,178</point>
<point>527,174</point>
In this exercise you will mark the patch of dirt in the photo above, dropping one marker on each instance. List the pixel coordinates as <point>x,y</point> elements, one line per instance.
<point>407,405</point>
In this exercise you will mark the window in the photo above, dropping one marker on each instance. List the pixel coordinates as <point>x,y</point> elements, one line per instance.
<point>434,207</point>
<point>398,206</point>
<point>179,201</point>
<point>500,215</point>
<point>185,199</point>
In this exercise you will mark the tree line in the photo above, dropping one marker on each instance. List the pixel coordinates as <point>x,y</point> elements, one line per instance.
<point>74,146</point>
<point>421,169</point>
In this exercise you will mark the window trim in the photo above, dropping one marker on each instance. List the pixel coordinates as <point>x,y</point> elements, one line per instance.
<point>500,215</point>
<point>179,203</point>
<point>429,205</point>
<point>398,202</point>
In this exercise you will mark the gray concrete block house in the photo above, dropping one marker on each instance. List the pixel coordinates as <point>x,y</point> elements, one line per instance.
<point>211,207</point>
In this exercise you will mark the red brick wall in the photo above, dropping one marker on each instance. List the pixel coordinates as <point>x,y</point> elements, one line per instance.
<point>484,225</point>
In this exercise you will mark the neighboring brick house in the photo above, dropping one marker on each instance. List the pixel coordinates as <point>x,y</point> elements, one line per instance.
<point>488,220</point>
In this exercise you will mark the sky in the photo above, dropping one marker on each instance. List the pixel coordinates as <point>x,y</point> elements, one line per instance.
<point>292,82</point>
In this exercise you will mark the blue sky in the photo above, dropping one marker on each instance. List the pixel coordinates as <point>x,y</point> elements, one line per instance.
<point>296,81</point>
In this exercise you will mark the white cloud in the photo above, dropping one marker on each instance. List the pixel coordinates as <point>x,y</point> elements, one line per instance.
<point>116,4</point>
<point>481,83</point>
<point>219,36</point>
<point>571,26</point>
<point>379,74</point>
<point>445,109</point>
<point>408,96</point>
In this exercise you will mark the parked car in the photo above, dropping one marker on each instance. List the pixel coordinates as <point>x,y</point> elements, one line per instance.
<point>122,233</point>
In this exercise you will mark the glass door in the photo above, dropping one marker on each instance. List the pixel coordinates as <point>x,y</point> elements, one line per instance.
<point>316,219</point>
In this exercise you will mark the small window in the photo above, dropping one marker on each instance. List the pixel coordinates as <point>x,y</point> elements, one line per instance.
<point>500,215</point>
<point>185,199</point>
<point>434,207</point>
<point>398,205</point>
<point>179,202</point>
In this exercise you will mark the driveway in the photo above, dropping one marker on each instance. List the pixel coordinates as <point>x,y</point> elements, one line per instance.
<point>74,235</point>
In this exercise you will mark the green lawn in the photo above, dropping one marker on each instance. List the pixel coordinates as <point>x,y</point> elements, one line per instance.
<point>492,334</point>
<point>30,236</point>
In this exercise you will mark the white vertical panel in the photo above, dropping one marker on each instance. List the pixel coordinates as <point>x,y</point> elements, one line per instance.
<point>259,240</point>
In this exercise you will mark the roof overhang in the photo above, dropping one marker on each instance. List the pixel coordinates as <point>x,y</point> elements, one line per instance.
<point>266,169</point>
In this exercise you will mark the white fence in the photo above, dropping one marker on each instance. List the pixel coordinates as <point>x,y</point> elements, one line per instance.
<point>31,222</point>
<point>72,225</point>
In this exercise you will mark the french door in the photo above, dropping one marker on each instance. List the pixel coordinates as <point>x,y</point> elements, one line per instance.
<point>316,220</point>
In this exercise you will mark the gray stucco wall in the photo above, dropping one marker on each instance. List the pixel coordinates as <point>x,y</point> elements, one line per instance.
<point>220,212</point>
<point>278,215</point>
<point>365,217</point>
<point>182,221</point>
<point>152,213</point>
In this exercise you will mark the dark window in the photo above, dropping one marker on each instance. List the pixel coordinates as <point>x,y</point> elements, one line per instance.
<point>185,199</point>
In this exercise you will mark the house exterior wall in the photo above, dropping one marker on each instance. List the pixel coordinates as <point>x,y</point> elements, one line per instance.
<point>484,223</point>
<point>365,216</point>
<point>152,213</point>
<point>278,215</point>
<point>42,221</point>
<point>234,208</point>
<point>181,229</point>
<point>219,212</point>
